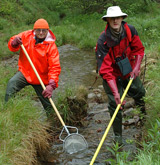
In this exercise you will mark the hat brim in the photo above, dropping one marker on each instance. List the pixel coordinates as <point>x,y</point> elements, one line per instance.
<point>104,18</point>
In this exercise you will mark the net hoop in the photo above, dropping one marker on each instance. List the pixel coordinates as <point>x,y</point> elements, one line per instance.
<point>74,143</point>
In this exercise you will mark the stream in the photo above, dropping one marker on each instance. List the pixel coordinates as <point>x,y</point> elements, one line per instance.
<point>78,68</point>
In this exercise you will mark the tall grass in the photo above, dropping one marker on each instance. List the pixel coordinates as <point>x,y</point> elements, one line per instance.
<point>150,153</point>
<point>22,131</point>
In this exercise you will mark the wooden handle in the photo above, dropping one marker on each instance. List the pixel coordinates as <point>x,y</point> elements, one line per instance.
<point>42,84</point>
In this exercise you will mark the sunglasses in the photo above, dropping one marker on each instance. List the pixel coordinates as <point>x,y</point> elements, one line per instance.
<point>41,30</point>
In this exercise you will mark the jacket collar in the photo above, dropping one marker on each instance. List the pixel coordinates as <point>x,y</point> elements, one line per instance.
<point>111,42</point>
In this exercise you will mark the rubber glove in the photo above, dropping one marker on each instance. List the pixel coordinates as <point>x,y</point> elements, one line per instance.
<point>49,89</point>
<point>16,42</point>
<point>136,69</point>
<point>113,86</point>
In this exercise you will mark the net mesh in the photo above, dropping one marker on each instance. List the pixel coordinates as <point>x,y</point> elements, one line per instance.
<point>74,143</point>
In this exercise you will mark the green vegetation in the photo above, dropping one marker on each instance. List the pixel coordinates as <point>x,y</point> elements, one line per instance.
<point>118,155</point>
<point>20,131</point>
<point>20,121</point>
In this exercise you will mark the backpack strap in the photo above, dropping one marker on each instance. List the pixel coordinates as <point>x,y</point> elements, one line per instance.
<point>128,32</point>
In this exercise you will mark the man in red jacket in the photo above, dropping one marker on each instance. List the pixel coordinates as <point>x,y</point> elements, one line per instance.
<point>41,47</point>
<point>119,52</point>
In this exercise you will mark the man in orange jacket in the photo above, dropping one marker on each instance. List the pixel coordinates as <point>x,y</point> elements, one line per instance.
<point>41,47</point>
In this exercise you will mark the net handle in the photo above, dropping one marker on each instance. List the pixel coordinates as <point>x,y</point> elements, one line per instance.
<point>42,84</point>
<point>111,121</point>
<point>66,129</point>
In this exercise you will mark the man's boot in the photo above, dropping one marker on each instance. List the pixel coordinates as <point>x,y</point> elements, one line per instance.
<point>117,129</point>
<point>141,104</point>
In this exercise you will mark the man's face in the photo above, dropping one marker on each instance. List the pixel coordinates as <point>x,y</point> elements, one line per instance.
<point>115,22</point>
<point>41,33</point>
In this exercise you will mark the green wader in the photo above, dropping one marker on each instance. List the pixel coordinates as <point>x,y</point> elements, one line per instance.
<point>136,91</point>
<point>17,82</point>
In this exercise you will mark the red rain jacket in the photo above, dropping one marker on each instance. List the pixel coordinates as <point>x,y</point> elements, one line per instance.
<point>45,57</point>
<point>130,44</point>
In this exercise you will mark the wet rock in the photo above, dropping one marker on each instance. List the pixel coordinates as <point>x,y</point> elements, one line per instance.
<point>97,108</point>
<point>91,95</point>
<point>128,122</point>
<point>100,86</point>
<point>99,111</point>
<point>128,112</point>
<point>131,121</point>
<point>129,104</point>
<point>91,105</point>
<point>97,91</point>
<point>95,96</point>
<point>99,95</point>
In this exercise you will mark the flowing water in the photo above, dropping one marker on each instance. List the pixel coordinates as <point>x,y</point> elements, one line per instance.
<point>77,67</point>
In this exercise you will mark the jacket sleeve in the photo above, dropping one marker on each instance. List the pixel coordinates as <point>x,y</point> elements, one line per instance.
<point>136,45</point>
<point>106,70</point>
<point>104,60</point>
<point>101,50</point>
<point>54,67</point>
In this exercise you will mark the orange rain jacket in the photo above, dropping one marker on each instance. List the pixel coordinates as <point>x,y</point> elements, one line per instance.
<point>45,57</point>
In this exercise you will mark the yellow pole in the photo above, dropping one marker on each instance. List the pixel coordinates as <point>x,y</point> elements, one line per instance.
<point>111,121</point>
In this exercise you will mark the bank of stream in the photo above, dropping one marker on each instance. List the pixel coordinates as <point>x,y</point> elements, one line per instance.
<point>78,68</point>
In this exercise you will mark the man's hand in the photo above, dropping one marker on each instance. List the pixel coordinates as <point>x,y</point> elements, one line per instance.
<point>49,89</point>
<point>16,42</point>
<point>117,98</point>
<point>113,86</point>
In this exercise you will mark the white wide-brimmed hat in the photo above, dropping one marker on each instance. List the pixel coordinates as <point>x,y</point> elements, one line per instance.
<point>114,11</point>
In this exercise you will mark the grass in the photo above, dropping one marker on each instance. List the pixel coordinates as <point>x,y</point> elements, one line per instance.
<point>77,94</point>
<point>22,132</point>
<point>150,153</point>
<point>81,30</point>
<point>78,29</point>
